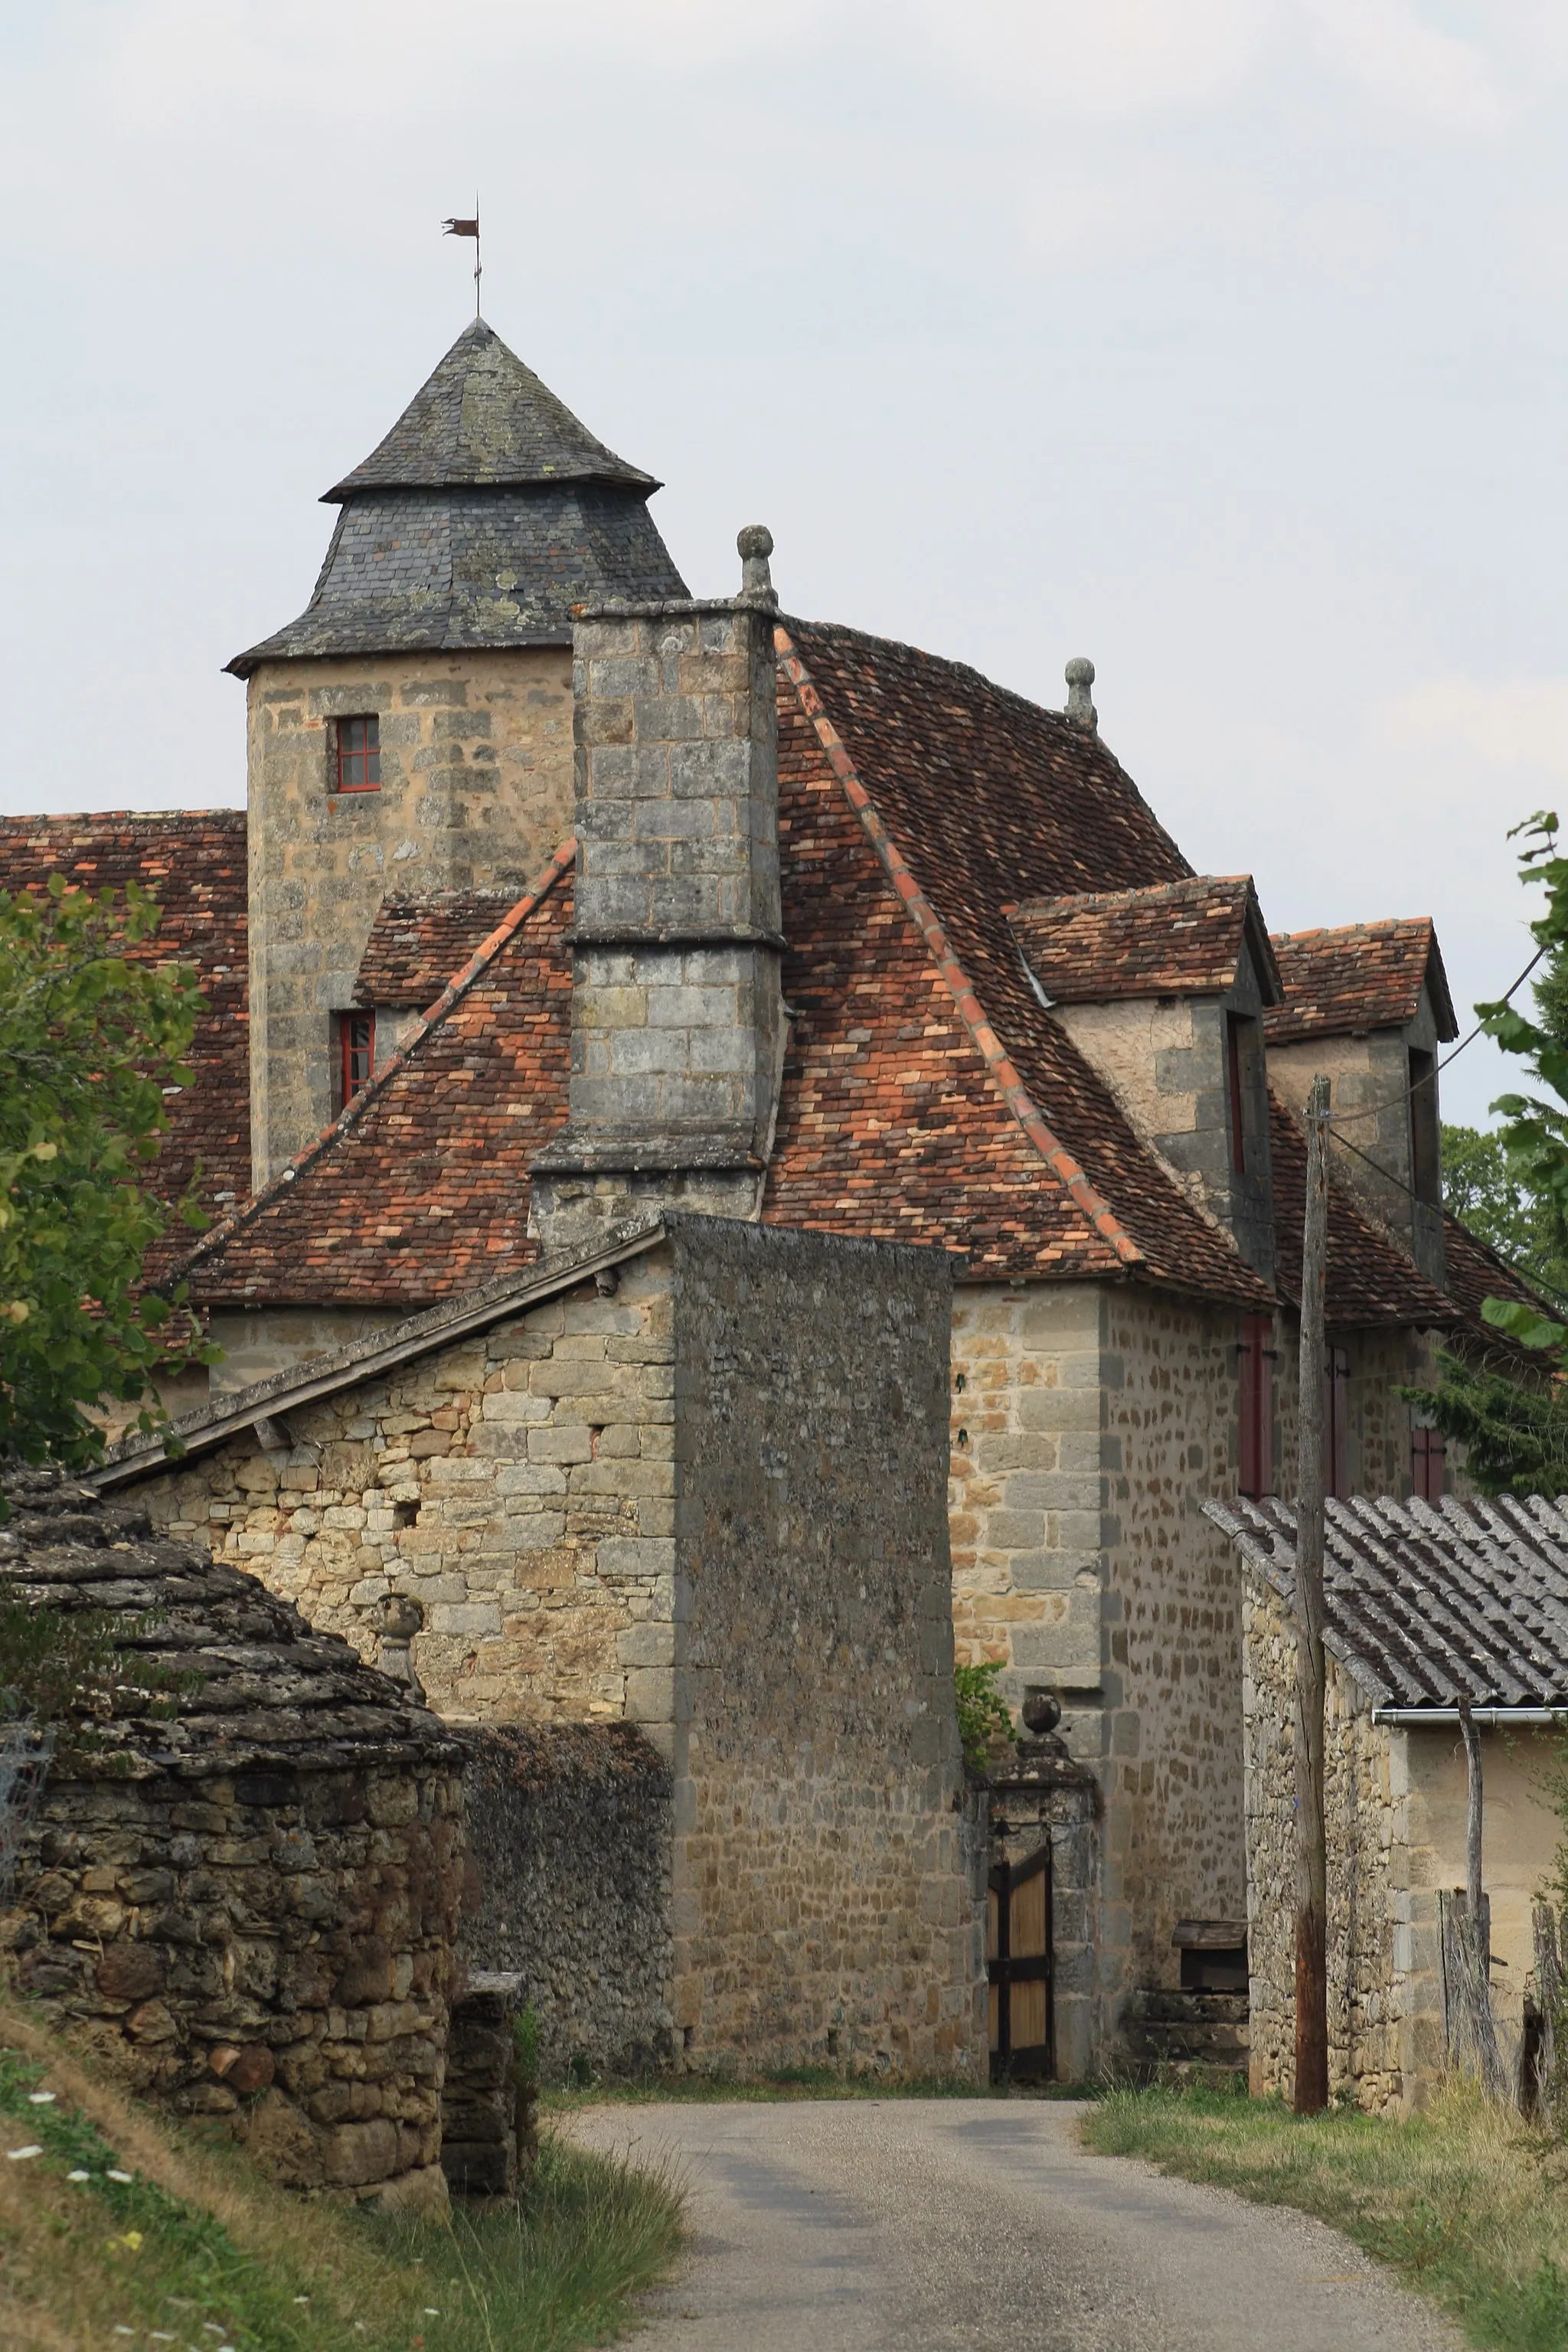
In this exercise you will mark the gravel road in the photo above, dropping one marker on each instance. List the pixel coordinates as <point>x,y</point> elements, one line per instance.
<point>907,2225</point>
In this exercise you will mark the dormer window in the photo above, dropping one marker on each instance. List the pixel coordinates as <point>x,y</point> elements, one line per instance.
<point>1233,1027</point>
<point>357,747</point>
<point>355,1041</point>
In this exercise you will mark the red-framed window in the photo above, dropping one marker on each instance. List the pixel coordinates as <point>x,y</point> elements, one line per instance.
<point>1425,1134</point>
<point>1336,1422</point>
<point>1426,1465</point>
<point>1234,1094</point>
<point>354,1037</point>
<point>356,748</point>
<point>1255,1434</point>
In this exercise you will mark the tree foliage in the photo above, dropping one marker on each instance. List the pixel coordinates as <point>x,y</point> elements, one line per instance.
<point>1481,1188</point>
<point>984,1722</point>
<point>90,1039</point>
<point>1516,1438</point>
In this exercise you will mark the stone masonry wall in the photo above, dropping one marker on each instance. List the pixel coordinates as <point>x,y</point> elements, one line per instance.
<point>476,769</point>
<point>569,1844</point>
<point>1089,1423</point>
<point>824,1885</point>
<point>1369,1891</point>
<point>517,1484</point>
<point>275,1948</point>
<point>1174,1846</point>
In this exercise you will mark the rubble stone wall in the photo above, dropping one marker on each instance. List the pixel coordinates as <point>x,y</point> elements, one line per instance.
<point>569,1843</point>
<point>517,1484</point>
<point>1371,1913</point>
<point>824,1898</point>
<point>278,1948</point>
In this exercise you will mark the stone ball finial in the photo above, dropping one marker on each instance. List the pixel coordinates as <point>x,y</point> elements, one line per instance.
<point>1042,1713</point>
<point>1080,710</point>
<point>755,544</point>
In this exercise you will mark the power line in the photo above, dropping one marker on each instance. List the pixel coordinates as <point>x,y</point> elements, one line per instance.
<point>1391,1101</point>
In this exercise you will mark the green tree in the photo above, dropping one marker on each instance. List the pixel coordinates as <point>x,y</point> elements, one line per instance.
<point>89,1038</point>
<point>1481,1189</point>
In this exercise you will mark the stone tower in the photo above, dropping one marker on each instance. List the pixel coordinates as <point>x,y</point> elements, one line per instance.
<point>412,729</point>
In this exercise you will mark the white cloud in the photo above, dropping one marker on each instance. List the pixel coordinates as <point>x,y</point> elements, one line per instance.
<point>1386,47</point>
<point>1520,724</point>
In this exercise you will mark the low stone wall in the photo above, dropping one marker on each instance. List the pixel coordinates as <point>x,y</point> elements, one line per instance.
<point>569,1841</point>
<point>1369,1897</point>
<point>249,1901</point>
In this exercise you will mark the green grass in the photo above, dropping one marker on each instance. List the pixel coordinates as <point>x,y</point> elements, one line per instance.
<point>197,2248</point>
<point>785,2083</point>
<point>1467,2205</point>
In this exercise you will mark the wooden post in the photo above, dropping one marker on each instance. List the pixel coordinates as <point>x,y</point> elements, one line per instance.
<point>1311,1844</point>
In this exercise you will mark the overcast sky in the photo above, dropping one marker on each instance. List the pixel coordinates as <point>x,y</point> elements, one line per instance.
<point>1220,340</point>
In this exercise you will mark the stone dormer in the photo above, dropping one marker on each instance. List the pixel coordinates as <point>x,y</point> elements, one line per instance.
<point>1369,1007</point>
<point>1163,991</point>
<point>411,731</point>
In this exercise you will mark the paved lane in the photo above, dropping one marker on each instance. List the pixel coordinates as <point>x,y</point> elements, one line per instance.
<point>911,2225</point>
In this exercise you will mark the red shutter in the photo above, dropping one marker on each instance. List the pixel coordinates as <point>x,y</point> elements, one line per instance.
<point>1426,1465</point>
<point>1336,1422</point>
<point>356,1055</point>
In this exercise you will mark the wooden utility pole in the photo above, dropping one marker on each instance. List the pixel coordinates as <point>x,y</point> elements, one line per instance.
<point>1311,1848</point>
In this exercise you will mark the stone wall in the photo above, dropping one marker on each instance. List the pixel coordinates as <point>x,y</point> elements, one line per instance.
<point>1377,1453</point>
<point>569,1843</point>
<point>275,1948</point>
<point>1368,1079</point>
<point>1166,1060</point>
<point>476,768</point>
<point>518,1484</point>
<point>1172,1734</point>
<point>1089,1424</point>
<point>1370,1906</point>
<point>248,1895</point>
<point>824,1899</point>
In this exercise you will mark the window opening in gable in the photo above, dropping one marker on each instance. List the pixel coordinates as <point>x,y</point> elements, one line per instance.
<point>355,1057</point>
<point>357,748</point>
<point>1336,1422</point>
<point>1425,1140</point>
<point>1255,1434</point>
<point>1233,1026</point>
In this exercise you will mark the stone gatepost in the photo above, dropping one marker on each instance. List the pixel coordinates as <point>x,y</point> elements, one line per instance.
<point>1043,1796</point>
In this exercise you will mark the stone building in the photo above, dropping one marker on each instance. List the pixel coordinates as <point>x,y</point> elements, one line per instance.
<point>1427,1607</point>
<point>811,933</point>
<point>251,1903</point>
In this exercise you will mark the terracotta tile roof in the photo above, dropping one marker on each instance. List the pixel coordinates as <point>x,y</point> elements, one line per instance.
<point>1366,976</point>
<point>193,863</point>
<point>1475,1273</point>
<point>1369,1278</point>
<point>931,1094</point>
<point>1177,938</point>
<point>418,942</point>
<point>1428,1605</point>
<point>419,1190</point>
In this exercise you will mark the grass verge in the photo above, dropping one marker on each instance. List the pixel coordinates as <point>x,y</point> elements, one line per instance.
<point>128,2230</point>
<point>788,2082</point>
<point>1467,2204</point>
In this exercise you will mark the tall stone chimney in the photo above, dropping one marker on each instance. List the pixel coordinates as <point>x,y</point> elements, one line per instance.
<point>677,1008</point>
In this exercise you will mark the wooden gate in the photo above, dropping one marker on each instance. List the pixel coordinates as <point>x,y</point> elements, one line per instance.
<point>1018,1961</point>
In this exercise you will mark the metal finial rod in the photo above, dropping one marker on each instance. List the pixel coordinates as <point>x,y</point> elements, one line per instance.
<point>468,228</point>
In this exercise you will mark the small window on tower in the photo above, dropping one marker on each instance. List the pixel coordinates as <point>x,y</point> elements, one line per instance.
<point>358,747</point>
<point>355,1055</point>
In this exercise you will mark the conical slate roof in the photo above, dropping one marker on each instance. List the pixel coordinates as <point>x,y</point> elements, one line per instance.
<point>487,513</point>
<point>483,419</point>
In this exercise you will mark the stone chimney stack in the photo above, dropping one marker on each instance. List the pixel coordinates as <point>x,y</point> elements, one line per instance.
<point>677,1009</point>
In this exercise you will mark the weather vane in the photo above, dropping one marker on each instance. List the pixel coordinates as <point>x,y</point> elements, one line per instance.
<point>468,228</point>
